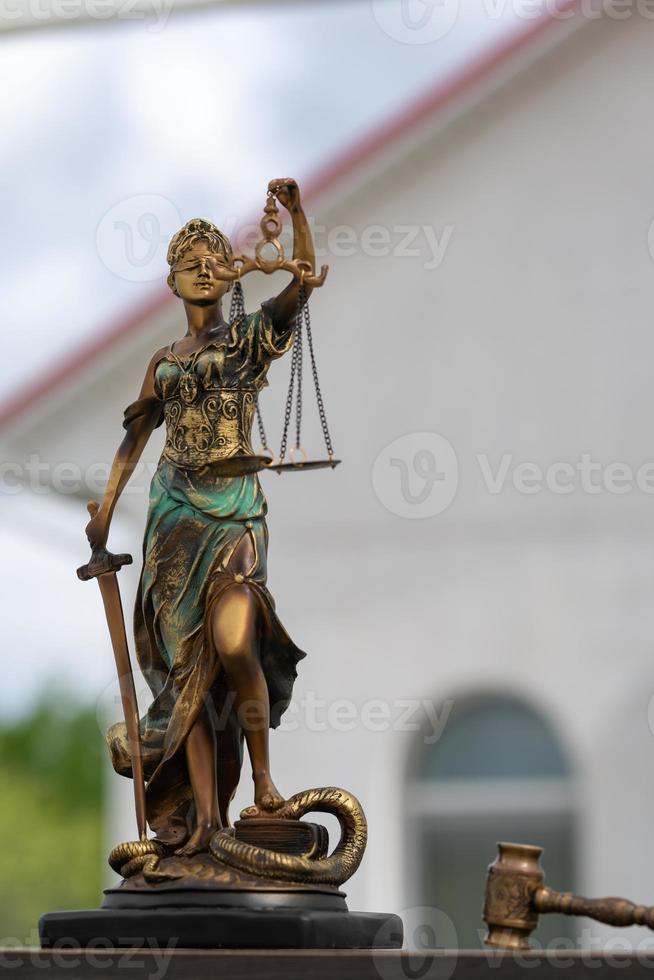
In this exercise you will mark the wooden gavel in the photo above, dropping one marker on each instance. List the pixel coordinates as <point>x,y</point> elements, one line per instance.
<point>516,896</point>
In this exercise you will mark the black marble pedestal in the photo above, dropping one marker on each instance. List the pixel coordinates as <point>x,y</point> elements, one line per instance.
<point>202,919</point>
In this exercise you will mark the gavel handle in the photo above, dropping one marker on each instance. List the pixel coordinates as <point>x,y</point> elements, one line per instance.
<point>612,911</point>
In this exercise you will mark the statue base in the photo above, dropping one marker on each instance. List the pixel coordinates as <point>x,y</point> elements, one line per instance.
<point>204,919</point>
<point>203,901</point>
<point>200,903</point>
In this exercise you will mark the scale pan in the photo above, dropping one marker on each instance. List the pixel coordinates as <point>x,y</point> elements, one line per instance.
<point>241,465</point>
<point>307,464</point>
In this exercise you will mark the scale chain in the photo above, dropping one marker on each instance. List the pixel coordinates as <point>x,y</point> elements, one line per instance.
<point>237,310</point>
<point>297,348</point>
<point>260,426</point>
<point>237,305</point>
<point>314,371</point>
<point>298,400</point>
<point>302,319</point>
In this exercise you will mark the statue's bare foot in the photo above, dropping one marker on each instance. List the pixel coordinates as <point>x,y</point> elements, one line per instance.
<point>199,839</point>
<point>266,795</point>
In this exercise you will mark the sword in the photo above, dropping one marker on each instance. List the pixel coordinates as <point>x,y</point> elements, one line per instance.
<point>103,566</point>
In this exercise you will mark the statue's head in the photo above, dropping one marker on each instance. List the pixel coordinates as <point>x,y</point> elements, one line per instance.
<point>196,254</point>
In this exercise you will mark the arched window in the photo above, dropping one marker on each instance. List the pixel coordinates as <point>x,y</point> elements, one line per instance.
<point>497,772</point>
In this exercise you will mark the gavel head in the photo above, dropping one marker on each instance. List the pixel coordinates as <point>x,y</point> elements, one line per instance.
<point>514,877</point>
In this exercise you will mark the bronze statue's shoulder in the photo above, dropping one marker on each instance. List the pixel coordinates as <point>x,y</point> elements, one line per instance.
<point>159,355</point>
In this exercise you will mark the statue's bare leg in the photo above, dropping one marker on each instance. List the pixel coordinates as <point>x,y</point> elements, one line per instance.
<point>235,633</point>
<point>235,629</point>
<point>201,761</point>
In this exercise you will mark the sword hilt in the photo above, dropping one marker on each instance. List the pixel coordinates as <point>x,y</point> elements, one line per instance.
<point>102,561</point>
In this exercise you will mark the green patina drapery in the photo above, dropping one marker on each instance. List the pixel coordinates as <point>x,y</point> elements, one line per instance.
<point>195,522</point>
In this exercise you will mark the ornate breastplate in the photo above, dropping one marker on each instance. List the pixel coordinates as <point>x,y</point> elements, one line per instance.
<point>208,419</point>
<point>208,428</point>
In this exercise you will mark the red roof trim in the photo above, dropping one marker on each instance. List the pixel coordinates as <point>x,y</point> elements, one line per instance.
<point>67,366</point>
<point>361,151</point>
<point>435,99</point>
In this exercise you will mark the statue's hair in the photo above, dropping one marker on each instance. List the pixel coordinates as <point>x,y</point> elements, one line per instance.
<point>196,230</point>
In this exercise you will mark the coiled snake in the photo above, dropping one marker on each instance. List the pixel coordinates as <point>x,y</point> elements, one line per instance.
<point>137,856</point>
<point>332,870</point>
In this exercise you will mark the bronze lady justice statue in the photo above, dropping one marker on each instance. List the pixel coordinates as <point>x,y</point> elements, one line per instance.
<point>219,663</point>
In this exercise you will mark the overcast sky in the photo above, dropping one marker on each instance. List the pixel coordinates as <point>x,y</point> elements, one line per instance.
<point>115,134</point>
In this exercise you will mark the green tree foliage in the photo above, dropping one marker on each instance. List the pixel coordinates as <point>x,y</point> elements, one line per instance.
<point>51,765</point>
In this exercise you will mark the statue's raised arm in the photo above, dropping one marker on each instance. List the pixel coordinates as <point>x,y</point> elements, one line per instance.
<point>284,306</point>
